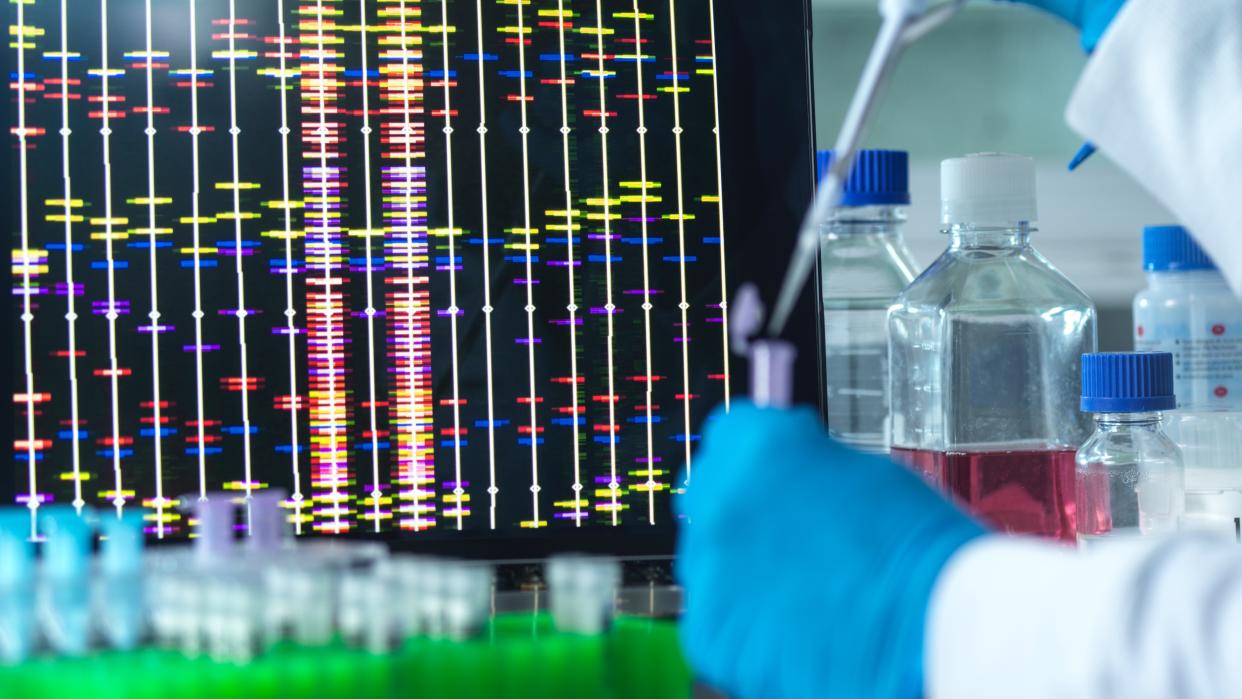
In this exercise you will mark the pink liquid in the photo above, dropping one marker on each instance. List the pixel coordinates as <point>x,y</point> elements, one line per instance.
<point>1095,512</point>
<point>1021,492</point>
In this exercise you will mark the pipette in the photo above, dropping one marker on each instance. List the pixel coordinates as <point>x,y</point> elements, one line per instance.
<point>904,21</point>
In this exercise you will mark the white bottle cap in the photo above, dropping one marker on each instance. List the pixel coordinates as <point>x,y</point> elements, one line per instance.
<point>987,189</point>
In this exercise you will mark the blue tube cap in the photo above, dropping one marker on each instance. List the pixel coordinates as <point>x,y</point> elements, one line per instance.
<point>1173,249</point>
<point>1127,382</point>
<point>878,178</point>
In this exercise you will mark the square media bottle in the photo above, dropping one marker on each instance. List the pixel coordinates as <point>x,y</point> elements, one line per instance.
<point>984,357</point>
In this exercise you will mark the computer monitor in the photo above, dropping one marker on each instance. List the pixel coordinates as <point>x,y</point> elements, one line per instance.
<point>452,274</point>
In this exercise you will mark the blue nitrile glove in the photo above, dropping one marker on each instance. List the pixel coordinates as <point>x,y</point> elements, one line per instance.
<point>1092,17</point>
<point>807,566</point>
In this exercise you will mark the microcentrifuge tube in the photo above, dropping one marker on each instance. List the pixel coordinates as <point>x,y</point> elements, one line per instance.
<point>771,372</point>
<point>403,572</point>
<point>231,603</point>
<point>432,592</point>
<point>268,529</point>
<point>467,597</point>
<point>215,515</point>
<point>189,613</point>
<point>367,617</point>
<point>163,570</point>
<point>64,587</point>
<point>354,589</point>
<point>310,589</point>
<point>119,602</point>
<point>17,571</point>
<point>583,591</point>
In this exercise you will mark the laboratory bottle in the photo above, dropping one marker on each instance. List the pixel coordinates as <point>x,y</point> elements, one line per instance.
<point>1128,473</point>
<point>864,264</point>
<point>1189,310</point>
<point>985,351</point>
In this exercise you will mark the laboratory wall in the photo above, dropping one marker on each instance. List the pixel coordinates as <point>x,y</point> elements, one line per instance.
<point>996,78</point>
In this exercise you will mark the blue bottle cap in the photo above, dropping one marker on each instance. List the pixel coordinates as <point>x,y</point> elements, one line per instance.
<point>1127,382</point>
<point>1172,249</point>
<point>878,178</point>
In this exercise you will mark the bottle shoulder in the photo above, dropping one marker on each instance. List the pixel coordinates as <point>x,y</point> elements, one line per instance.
<point>1019,280</point>
<point>1127,446</point>
<point>862,265</point>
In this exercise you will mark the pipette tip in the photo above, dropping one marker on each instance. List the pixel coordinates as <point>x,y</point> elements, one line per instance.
<point>1087,150</point>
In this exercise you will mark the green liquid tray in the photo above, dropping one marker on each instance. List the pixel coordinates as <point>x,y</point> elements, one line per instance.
<point>515,655</point>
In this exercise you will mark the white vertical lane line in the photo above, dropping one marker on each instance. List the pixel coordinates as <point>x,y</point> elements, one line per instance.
<point>684,305</point>
<point>524,130</point>
<point>118,500</point>
<point>370,309</point>
<point>609,307</point>
<point>234,132</point>
<point>458,491</point>
<point>27,315</point>
<point>197,314</point>
<point>724,284</point>
<point>569,238</point>
<point>154,314</point>
<point>330,314</point>
<point>71,314</point>
<point>290,308</point>
<point>413,413</point>
<point>492,490</point>
<point>642,159</point>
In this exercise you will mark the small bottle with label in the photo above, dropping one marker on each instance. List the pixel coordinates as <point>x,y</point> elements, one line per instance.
<point>1188,310</point>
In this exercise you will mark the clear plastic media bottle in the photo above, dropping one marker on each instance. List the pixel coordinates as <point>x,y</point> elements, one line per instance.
<point>1129,473</point>
<point>864,265</point>
<point>1188,309</point>
<point>985,353</point>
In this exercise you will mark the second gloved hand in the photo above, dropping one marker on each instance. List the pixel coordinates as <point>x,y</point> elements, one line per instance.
<point>807,566</point>
<point>1092,17</point>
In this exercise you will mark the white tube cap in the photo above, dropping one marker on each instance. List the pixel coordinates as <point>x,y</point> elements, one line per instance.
<point>987,189</point>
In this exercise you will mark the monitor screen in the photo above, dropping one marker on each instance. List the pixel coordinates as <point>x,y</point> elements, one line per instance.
<point>429,268</point>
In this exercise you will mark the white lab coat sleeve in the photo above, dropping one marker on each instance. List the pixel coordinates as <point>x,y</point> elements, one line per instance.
<point>1130,619</point>
<point>1162,97</point>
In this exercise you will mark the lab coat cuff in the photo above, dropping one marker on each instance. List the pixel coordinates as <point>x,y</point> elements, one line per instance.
<point>997,621</point>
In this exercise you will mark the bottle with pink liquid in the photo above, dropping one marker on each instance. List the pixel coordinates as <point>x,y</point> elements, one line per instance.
<point>984,352</point>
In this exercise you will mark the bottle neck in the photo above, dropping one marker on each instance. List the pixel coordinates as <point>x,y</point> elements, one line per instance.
<point>1114,421</point>
<point>860,220</point>
<point>972,237</point>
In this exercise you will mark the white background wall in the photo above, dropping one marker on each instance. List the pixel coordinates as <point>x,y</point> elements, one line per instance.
<point>996,78</point>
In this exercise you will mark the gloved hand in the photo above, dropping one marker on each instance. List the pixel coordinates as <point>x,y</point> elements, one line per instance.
<point>807,566</point>
<point>1092,17</point>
